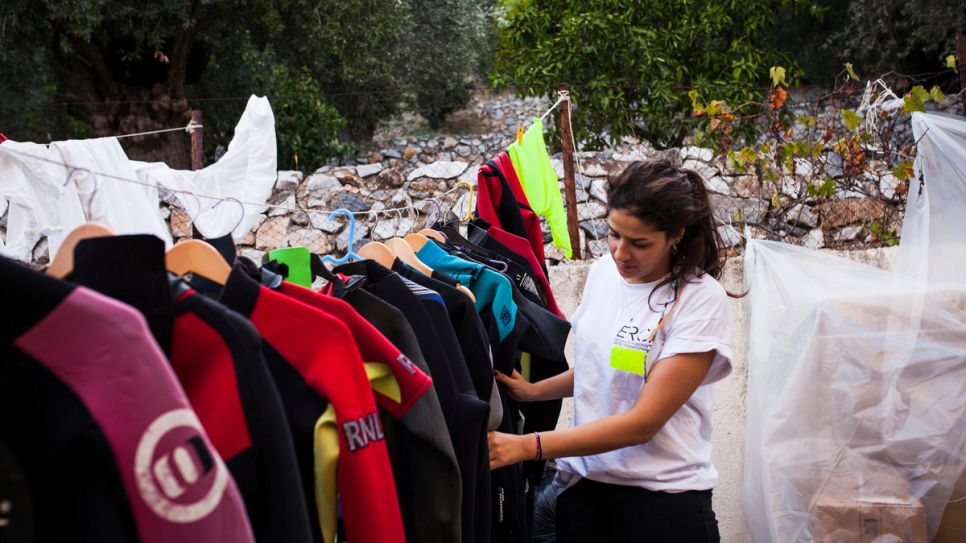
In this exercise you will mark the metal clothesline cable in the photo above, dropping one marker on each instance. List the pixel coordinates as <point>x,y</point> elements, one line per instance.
<point>189,129</point>
<point>387,212</point>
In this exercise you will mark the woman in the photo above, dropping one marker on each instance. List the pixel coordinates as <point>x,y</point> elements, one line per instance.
<point>652,334</point>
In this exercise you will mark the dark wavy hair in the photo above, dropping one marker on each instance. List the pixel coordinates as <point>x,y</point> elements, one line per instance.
<point>670,199</point>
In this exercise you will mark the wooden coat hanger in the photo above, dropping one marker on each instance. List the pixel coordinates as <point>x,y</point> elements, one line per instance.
<point>196,256</point>
<point>378,252</point>
<point>405,253</point>
<point>416,241</point>
<point>435,234</point>
<point>63,264</point>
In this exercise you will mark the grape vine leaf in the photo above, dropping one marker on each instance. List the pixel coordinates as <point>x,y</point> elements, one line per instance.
<point>848,68</point>
<point>850,118</point>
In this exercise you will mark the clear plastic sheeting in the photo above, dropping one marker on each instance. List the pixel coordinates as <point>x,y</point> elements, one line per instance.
<point>933,245</point>
<point>856,397</point>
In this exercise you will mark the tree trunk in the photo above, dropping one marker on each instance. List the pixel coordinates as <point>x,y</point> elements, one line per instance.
<point>116,109</point>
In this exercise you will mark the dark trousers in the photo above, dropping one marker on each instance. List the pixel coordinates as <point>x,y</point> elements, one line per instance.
<point>593,512</point>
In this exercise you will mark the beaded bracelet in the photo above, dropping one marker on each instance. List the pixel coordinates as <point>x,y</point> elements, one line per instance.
<point>539,448</point>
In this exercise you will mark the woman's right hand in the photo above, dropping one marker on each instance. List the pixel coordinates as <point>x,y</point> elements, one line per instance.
<point>519,388</point>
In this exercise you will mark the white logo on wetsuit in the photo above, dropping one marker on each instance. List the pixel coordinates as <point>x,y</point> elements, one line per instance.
<point>359,433</point>
<point>178,478</point>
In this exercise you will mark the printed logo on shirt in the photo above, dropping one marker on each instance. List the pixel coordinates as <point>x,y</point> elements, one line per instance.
<point>505,316</point>
<point>360,432</point>
<point>527,283</point>
<point>630,348</point>
<point>177,476</point>
<point>407,363</point>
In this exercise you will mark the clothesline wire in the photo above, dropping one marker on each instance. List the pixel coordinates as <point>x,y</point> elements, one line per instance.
<point>189,129</point>
<point>387,212</point>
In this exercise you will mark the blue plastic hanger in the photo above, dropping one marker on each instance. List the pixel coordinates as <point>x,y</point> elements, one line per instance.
<point>352,233</point>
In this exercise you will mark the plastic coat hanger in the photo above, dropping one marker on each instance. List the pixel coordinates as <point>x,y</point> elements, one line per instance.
<point>63,264</point>
<point>352,232</point>
<point>198,257</point>
<point>405,253</point>
<point>455,238</point>
<point>469,203</point>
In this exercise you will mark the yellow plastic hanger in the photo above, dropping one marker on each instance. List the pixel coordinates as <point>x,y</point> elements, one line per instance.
<point>405,253</point>
<point>469,203</point>
<point>378,252</point>
<point>196,256</point>
<point>63,264</point>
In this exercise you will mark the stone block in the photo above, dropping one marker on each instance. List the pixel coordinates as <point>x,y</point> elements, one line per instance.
<point>705,171</point>
<point>272,234</point>
<point>368,170</point>
<point>843,212</point>
<point>698,153</point>
<point>802,215</point>
<point>317,182</point>
<point>441,169</point>
<point>591,210</point>
<point>288,180</point>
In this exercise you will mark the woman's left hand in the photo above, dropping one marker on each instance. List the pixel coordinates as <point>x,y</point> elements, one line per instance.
<point>506,449</point>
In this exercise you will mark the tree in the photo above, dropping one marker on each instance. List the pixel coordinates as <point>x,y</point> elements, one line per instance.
<point>911,36</point>
<point>119,67</point>
<point>122,67</point>
<point>442,84</point>
<point>630,63</point>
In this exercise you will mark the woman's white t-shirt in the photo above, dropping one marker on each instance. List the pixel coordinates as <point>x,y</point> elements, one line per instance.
<point>616,313</point>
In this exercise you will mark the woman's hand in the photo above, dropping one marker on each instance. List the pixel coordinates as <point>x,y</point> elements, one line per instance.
<point>506,449</point>
<point>519,388</point>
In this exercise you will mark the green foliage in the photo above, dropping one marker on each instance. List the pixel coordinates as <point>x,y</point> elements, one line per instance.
<point>897,35</point>
<point>890,237</point>
<point>848,68</point>
<point>916,99</point>
<point>825,190</point>
<point>442,83</point>
<point>903,171</point>
<point>777,74</point>
<point>630,62</point>
<point>305,125</point>
<point>850,118</point>
<point>366,58</point>
<point>951,61</point>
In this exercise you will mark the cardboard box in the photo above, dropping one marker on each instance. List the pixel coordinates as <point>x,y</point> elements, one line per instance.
<point>866,521</point>
<point>952,528</point>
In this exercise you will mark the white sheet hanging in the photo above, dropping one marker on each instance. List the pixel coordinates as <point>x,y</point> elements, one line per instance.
<point>127,208</point>
<point>32,189</point>
<point>246,172</point>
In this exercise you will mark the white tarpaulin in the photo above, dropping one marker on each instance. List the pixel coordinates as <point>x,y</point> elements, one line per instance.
<point>933,244</point>
<point>856,395</point>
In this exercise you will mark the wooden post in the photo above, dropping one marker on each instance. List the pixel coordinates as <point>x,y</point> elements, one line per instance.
<point>961,65</point>
<point>196,158</point>
<point>196,154</point>
<point>570,188</point>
